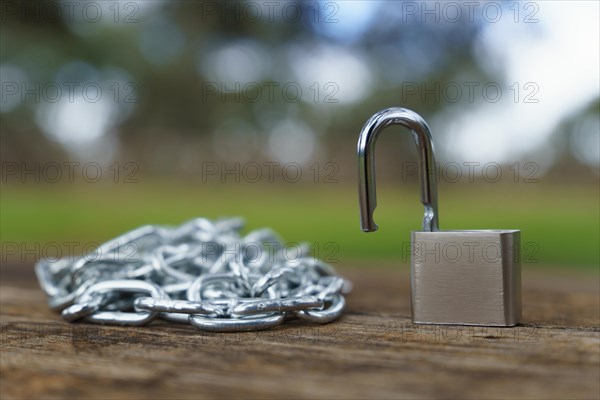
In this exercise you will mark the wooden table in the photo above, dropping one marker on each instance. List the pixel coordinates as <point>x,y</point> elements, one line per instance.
<point>373,351</point>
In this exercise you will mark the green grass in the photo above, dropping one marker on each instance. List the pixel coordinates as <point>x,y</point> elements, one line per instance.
<point>560,224</point>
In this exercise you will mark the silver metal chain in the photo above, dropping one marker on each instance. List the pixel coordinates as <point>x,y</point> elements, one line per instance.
<point>202,272</point>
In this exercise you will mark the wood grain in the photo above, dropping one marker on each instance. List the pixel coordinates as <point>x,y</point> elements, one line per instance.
<point>373,351</point>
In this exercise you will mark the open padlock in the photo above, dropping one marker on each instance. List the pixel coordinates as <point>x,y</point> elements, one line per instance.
<point>457,277</point>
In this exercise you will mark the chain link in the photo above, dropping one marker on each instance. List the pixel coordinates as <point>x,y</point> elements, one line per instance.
<point>202,272</point>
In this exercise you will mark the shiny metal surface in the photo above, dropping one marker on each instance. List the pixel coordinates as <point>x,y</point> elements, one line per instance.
<point>129,286</point>
<point>336,304</point>
<point>177,306</point>
<point>254,307</point>
<point>366,165</point>
<point>243,324</point>
<point>466,277</point>
<point>457,277</point>
<point>202,272</point>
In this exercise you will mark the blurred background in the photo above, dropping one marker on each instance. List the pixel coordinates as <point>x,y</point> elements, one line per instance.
<point>115,114</point>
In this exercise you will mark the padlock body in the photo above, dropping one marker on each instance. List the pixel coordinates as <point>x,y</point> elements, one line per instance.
<point>466,277</point>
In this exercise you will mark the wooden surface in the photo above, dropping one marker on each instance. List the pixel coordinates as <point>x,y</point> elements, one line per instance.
<point>373,351</point>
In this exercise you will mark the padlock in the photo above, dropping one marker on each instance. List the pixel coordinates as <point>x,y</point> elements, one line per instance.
<point>470,277</point>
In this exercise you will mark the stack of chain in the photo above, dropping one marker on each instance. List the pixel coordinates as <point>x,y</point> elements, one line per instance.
<point>202,272</point>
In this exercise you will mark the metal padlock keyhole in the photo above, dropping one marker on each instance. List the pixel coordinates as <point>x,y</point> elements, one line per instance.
<point>478,285</point>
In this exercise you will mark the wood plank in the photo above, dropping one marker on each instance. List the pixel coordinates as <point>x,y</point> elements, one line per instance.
<point>373,351</point>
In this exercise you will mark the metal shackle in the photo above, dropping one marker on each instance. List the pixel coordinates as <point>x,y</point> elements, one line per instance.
<point>366,165</point>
